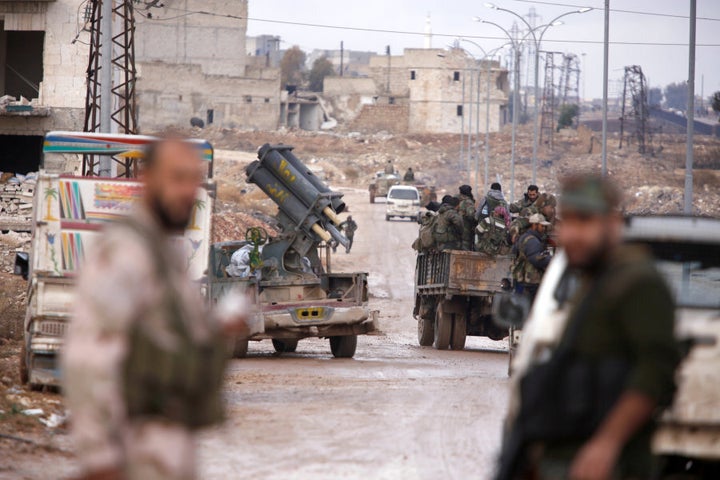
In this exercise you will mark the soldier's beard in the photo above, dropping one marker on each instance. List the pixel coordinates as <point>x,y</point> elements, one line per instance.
<point>168,221</point>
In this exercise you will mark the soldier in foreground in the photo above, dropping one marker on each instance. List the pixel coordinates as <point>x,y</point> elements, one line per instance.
<point>349,226</point>
<point>584,406</point>
<point>448,227</point>
<point>144,361</point>
<point>532,257</point>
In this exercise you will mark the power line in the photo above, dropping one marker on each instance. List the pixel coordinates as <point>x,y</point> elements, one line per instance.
<point>415,33</point>
<point>618,10</point>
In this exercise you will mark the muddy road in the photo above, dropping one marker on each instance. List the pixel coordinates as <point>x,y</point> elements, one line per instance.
<point>397,410</point>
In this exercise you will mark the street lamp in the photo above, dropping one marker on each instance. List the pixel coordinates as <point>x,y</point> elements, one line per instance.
<point>537,40</point>
<point>486,57</point>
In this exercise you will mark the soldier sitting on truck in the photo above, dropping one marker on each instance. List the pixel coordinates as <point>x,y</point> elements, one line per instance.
<point>493,199</point>
<point>409,175</point>
<point>448,228</point>
<point>389,168</point>
<point>533,192</point>
<point>493,232</point>
<point>531,257</point>
<point>467,212</point>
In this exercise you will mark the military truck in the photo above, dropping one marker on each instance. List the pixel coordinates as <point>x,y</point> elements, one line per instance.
<point>296,294</point>
<point>68,215</point>
<point>687,253</point>
<point>381,183</point>
<point>454,293</point>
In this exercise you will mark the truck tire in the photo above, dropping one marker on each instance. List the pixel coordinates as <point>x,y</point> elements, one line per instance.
<point>285,346</point>
<point>426,331</point>
<point>240,348</point>
<point>443,328</point>
<point>459,332</point>
<point>343,346</point>
<point>387,218</point>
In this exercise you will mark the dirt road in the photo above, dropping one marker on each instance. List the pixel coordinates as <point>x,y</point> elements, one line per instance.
<point>394,411</point>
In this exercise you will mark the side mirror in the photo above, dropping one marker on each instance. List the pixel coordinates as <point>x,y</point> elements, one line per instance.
<point>22,264</point>
<point>510,310</point>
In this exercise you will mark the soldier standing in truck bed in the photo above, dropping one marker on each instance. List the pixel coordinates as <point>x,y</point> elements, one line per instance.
<point>532,194</point>
<point>143,361</point>
<point>466,209</point>
<point>531,257</point>
<point>448,228</point>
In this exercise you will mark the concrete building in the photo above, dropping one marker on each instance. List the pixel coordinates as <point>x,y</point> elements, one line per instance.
<point>355,63</point>
<point>197,65</point>
<point>421,91</point>
<point>39,61</point>
<point>264,50</point>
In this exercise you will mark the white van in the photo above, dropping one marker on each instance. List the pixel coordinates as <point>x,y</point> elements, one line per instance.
<point>403,201</point>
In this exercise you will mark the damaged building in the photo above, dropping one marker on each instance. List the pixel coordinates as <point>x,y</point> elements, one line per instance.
<point>197,66</point>
<point>42,77</point>
<point>422,91</point>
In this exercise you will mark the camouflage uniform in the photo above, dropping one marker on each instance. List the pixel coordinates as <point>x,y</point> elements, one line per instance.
<point>125,300</point>
<point>530,263</point>
<point>521,204</point>
<point>467,212</point>
<point>448,229</point>
<point>350,227</point>
<point>492,237</point>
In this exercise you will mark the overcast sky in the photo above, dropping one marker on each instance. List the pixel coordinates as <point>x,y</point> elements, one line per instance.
<point>661,64</point>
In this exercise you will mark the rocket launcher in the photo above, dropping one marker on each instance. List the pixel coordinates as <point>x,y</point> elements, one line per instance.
<point>308,208</point>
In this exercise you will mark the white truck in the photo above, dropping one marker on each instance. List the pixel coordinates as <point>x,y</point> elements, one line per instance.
<point>68,214</point>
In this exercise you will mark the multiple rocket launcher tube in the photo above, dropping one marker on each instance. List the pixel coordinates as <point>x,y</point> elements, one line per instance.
<point>299,194</point>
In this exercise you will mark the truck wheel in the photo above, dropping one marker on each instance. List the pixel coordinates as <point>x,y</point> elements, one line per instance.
<point>387,218</point>
<point>240,348</point>
<point>426,331</point>
<point>443,328</point>
<point>459,332</point>
<point>285,346</point>
<point>343,346</point>
<point>24,368</point>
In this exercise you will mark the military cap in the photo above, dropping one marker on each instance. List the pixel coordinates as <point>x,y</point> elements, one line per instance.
<point>589,194</point>
<point>538,218</point>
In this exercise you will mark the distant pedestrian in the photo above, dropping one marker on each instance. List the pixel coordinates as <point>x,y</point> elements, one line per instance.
<point>349,226</point>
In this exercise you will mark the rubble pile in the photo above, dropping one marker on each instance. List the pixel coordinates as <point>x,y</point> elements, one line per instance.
<point>16,201</point>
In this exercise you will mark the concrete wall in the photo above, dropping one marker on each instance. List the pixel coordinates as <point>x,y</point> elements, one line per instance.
<point>64,65</point>
<point>376,118</point>
<point>333,86</point>
<point>215,43</point>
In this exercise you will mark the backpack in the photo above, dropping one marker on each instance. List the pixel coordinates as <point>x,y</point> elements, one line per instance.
<point>426,239</point>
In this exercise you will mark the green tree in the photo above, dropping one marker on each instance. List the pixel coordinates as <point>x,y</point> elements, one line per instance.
<point>715,102</point>
<point>321,68</point>
<point>676,96</point>
<point>655,96</point>
<point>568,112</point>
<point>292,66</point>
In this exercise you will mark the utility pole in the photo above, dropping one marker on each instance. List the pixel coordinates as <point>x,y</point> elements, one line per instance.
<point>105,166</point>
<point>690,113</point>
<point>342,55</point>
<point>605,86</point>
<point>462,124</point>
<point>468,153</point>
<point>387,52</point>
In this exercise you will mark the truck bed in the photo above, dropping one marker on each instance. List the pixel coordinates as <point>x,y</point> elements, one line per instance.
<point>458,272</point>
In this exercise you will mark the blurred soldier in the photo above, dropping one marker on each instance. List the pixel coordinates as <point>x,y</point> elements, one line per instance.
<point>467,212</point>
<point>433,194</point>
<point>143,361</point>
<point>349,226</point>
<point>409,175</point>
<point>493,199</point>
<point>528,199</point>
<point>587,398</point>
<point>389,168</point>
<point>448,229</point>
<point>493,233</point>
<point>531,257</point>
